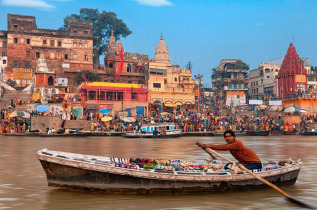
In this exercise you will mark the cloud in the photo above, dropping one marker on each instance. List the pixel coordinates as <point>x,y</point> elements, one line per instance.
<point>39,4</point>
<point>155,3</point>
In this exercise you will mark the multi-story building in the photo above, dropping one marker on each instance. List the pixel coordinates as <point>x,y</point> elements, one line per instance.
<point>123,67</point>
<point>66,51</point>
<point>3,53</point>
<point>263,82</point>
<point>229,81</point>
<point>168,85</point>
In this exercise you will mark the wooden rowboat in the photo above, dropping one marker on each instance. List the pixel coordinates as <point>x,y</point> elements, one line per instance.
<point>258,133</point>
<point>97,173</point>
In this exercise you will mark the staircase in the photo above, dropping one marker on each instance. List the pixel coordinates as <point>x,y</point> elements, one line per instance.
<point>19,94</point>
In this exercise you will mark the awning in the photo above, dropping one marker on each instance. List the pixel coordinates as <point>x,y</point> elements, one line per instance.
<point>170,105</point>
<point>92,106</point>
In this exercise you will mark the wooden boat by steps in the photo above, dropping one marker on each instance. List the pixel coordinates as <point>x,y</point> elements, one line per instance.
<point>97,173</point>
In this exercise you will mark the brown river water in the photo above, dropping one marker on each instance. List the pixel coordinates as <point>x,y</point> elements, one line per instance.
<point>23,182</point>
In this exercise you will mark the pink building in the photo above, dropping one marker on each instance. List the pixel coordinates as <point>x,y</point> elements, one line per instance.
<point>115,97</point>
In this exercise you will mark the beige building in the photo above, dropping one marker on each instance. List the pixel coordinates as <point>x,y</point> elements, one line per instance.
<point>263,82</point>
<point>168,84</point>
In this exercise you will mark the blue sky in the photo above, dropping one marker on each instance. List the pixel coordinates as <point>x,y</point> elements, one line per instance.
<point>200,31</point>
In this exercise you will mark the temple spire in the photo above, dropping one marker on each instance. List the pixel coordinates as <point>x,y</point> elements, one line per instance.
<point>162,36</point>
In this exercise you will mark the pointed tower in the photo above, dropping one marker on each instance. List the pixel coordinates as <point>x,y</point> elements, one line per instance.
<point>119,46</point>
<point>161,52</point>
<point>111,49</point>
<point>292,77</point>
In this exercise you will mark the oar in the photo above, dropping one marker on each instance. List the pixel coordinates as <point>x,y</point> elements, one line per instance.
<point>289,198</point>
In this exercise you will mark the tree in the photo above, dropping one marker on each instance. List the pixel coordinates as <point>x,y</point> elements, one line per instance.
<point>91,76</point>
<point>241,65</point>
<point>103,23</point>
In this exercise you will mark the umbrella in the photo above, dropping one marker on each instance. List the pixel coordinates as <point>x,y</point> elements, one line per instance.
<point>104,111</point>
<point>303,111</point>
<point>129,119</point>
<point>262,107</point>
<point>290,109</point>
<point>106,119</point>
<point>20,114</point>
<point>164,113</point>
<point>42,108</point>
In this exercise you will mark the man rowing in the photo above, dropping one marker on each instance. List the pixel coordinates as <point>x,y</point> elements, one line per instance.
<point>244,155</point>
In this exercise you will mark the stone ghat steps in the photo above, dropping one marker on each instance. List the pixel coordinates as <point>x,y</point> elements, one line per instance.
<point>21,95</point>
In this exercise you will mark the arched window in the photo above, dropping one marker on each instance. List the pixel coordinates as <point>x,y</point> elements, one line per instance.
<point>140,70</point>
<point>129,68</point>
<point>110,65</point>
<point>50,81</point>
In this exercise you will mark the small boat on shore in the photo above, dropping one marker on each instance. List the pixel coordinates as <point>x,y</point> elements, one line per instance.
<point>311,133</point>
<point>22,134</point>
<point>119,175</point>
<point>289,132</point>
<point>65,135</point>
<point>163,130</point>
<point>258,133</point>
<point>101,133</point>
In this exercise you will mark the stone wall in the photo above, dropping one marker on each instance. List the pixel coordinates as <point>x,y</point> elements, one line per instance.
<point>42,122</point>
<point>82,124</point>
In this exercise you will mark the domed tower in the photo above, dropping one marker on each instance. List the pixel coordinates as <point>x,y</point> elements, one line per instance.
<point>161,52</point>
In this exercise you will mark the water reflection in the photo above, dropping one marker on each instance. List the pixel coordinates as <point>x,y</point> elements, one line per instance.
<point>23,182</point>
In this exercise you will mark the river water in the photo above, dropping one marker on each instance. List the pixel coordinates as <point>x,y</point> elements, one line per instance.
<point>23,182</point>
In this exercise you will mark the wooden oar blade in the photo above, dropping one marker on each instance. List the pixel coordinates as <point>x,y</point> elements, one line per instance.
<point>299,203</point>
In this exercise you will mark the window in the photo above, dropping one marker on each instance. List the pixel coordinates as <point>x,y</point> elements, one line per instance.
<point>140,70</point>
<point>59,43</point>
<point>111,96</point>
<point>110,65</point>
<point>129,68</point>
<point>50,81</point>
<point>86,45</point>
<point>119,96</point>
<point>86,32</point>
<point>102,95</point>
<point>268,77</point>
<point>92,95</point>
<point>15,27</point>
<point>4,44</point>
<point>15,40</point>
<point>86,57</point>
<point>4,61</point>
<point>52,43</point>
<point>75,57</point>
<point>15,63</point>
<point>28,41</point>
<point>267,70</point>
<point>175,79</point>
<point>44,42</point>
<point>3,53</point>
<point>134,96</point>
<point>66,56</point>
<point>157,85</point>
<point>37,54</point>
<point>27,64</point>
<point>75,44</point>
<point>80,45</point>
<point>276,70</point>
<point>165,81</point>
<point>75,31</point>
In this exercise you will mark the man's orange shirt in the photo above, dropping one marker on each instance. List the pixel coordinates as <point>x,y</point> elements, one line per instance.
<point>243,154</point>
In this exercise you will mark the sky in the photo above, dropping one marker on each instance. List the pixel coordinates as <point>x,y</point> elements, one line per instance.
<point>200,31</point>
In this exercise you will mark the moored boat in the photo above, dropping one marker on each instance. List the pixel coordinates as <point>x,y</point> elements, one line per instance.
<point>163,130</point>
<point>258,133</point>
<point>22,134</point>
<point>97,173</point>
<point>311,133</point>
<point>288,132</point>
<point>101,133</point>
<point>65,135</point>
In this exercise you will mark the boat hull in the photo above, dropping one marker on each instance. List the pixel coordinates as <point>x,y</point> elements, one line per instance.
<point>258,133</point>
<point>152,136</point>
<point>74,175</point>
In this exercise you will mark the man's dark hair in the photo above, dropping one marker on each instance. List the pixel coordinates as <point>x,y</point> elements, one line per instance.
<point>229,131</point>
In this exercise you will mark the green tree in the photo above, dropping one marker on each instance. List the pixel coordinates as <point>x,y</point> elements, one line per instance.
<point>103,22</point>
<point>241,65</point>
<point>91,76</point>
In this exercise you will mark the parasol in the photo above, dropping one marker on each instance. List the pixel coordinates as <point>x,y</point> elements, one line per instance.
<point>42,108</point>
<point>129,119</point>
<point>104,111</point>
<point>106,119</point>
